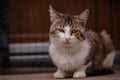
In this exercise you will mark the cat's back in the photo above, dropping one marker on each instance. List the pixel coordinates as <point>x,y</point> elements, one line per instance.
<point>97,39</point>
<point>102,51</point>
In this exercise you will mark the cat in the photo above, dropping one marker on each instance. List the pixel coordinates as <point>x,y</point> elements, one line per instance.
<point>74,48</point>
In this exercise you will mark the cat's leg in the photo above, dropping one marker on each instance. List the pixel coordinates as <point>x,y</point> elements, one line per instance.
<point>80,73</point>
<point>59,74</point>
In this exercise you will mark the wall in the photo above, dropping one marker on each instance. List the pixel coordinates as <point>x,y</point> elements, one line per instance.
<point>29,19</point>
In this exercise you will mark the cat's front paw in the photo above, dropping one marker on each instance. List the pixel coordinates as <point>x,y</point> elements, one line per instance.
<point>79,75</point>
<point>59,75</point>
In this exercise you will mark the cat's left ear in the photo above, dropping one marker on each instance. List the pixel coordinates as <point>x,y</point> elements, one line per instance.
<point>53,14</point>
<point>83,17</point>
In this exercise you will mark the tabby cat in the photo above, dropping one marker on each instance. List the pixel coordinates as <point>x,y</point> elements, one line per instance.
<point>75,48</point>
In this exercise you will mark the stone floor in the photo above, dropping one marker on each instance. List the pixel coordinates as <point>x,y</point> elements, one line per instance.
<point>48,76</point>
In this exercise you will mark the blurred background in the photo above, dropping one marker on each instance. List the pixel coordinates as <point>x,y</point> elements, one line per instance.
<point>24,28</point>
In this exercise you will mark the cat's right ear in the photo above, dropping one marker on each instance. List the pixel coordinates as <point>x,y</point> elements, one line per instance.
<point>53,14</point>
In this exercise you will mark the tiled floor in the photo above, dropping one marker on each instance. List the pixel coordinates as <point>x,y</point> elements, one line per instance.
<point>48,76</point>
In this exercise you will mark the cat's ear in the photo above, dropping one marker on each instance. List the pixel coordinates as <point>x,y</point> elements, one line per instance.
<point>53,14</point>
<point>84,16</point>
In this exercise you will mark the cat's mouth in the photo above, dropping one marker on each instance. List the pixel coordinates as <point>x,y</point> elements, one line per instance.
<point>67,43</point>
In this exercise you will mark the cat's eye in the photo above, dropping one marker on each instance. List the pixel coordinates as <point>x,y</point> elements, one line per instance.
<point>74,31</point>
<point>61,30</point>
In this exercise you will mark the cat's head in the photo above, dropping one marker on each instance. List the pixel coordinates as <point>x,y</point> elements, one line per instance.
<point>66,28</point>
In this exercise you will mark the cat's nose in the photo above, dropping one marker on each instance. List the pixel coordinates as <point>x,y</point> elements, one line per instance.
<point>67,39</point>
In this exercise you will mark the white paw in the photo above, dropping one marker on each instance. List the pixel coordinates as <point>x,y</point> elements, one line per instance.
<point>79,75</point>
<point>58,75</point>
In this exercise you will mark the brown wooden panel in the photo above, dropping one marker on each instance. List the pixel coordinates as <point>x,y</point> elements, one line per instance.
<point>19,38</point>
<point>116,23</point>
<point>103,15</point>
<point>22,10</point>
<point>13,16</point>
<point>29,19</point>
<point>41,16</point>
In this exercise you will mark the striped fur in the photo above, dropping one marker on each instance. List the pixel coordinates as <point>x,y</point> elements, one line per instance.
<point>74,48</point>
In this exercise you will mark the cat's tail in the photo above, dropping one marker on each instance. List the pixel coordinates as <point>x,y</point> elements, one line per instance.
<point>109,49</point>
<point>107,41</point>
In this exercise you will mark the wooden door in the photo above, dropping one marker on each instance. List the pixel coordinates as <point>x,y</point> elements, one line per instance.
<point>29,19</point>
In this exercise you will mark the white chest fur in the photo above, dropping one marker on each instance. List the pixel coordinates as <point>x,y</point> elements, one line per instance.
<point>69,59</point>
